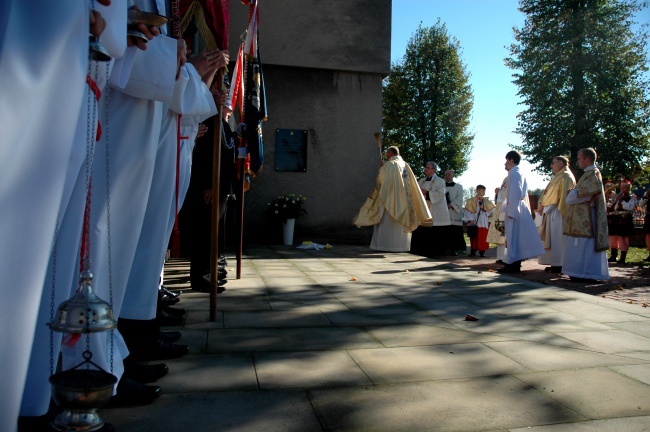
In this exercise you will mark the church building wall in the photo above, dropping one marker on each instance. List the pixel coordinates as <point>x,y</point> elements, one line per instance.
<point>323,66</point>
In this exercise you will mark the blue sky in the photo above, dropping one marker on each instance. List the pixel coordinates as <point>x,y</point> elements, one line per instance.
<point>484,29</point>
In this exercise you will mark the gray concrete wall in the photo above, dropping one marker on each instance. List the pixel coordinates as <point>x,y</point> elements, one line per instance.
<point>323,66</point>
<point>351,35</point>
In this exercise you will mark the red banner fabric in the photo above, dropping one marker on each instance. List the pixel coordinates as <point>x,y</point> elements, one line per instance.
<point>211,14</point>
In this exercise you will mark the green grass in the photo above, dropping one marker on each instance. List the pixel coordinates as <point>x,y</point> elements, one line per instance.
<point>636,255</point>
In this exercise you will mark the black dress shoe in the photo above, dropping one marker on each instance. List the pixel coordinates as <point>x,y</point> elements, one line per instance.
<point>553,269</point>
<point>35,423</point>
<point>509,269</point>
<point>133,393</point>
<point>204,286</point>
<point>173,312</point>
<point>145,373</point>
<point>160,350</point>
<point>581,280</point>
<point>166,300</point>
<point>164,319</point>
<point>500,262</point>
<point>170,293</point>
<point>170,336</point>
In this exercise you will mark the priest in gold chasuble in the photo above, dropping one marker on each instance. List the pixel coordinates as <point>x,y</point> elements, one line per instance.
<point>585,228</point>
<point>553,208</point>
<point>396,206</point>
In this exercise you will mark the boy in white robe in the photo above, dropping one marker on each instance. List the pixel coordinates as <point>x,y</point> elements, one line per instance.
<point>523,240</point>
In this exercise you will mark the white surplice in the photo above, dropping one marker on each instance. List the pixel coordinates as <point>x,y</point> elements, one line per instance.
<point>64,258</point>
<point>437,201</point>
<point>135,116</point>
<point>192,98</point>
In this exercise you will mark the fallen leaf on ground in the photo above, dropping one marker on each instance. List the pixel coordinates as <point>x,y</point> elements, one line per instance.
<point>438,283</point>
<point>406,271</point>
<point>644,304</point>
<point>353,279</point>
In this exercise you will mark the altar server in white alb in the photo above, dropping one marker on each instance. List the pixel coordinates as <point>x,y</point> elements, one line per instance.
<point>135,118</point>
<point>521,233</point>
<point>553,208</point>
<point>478,210</point>
<point>43,64</point>
<point>430,240</point>
<point>497,230</point>
<point>454,198</point>
<point>62,274</point>
<point>192,99</point>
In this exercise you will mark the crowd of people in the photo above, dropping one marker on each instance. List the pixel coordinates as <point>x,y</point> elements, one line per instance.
<point>578,221</point>
<point>95,161</point>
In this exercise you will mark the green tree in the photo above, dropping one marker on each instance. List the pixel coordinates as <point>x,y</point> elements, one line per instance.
<point>427,102</point>
<point>581,72</point>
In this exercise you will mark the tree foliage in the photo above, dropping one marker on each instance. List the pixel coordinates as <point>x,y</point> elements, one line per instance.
<point>581,70</point>
<point>427,102</point>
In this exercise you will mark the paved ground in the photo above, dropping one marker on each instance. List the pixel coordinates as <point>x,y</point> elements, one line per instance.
<point>629,283</point>
<point>353,340</point>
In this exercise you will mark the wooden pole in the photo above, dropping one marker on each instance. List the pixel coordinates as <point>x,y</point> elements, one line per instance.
<point>240,213</point>
<point>216,203</point>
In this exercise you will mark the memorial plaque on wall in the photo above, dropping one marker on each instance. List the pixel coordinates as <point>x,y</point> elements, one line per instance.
<point>290,150</point>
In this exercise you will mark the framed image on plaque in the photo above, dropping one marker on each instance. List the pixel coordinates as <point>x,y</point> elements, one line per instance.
<point>291,150</point>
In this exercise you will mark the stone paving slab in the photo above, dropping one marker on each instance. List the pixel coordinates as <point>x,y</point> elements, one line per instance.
<point>597,313</point>
<point>313,369</point>
<point>210,373</point>
<point>263,319</point>
<point>638,372</point>
<point>414,335</point>
<point>430,363</point>
<point>612,341</point>
<point>628,424</point>
<point>542,357</point>
<point>639,328</point>
<point>288,339</point>
<point>454,405</point>
<point>278,411</point>
<point>354,339</point>
<point>595,393</point>
<point>543,337</point>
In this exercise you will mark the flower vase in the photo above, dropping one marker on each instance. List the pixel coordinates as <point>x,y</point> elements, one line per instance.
<point>287,231</point>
